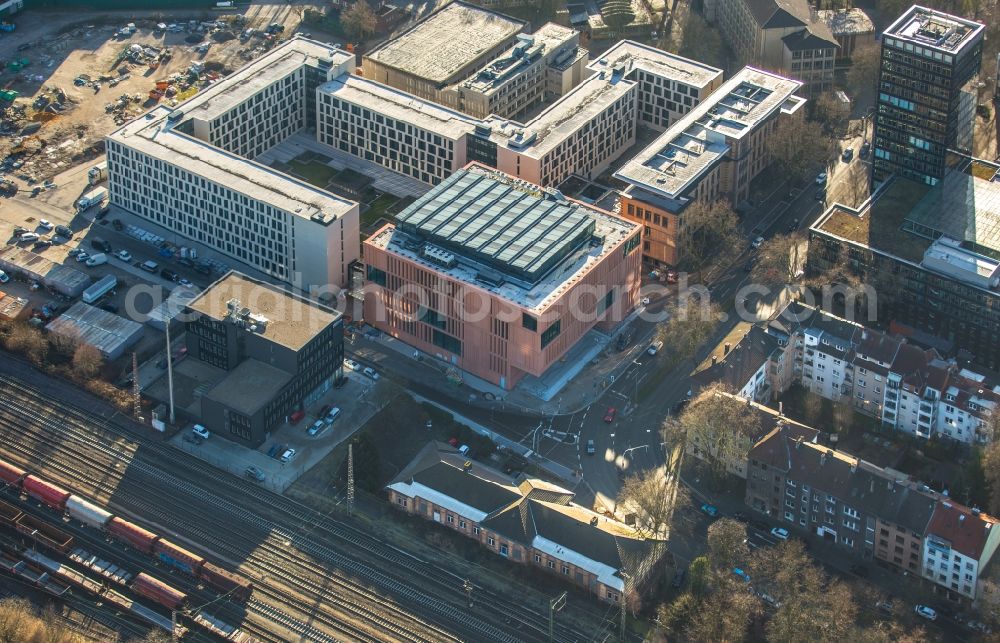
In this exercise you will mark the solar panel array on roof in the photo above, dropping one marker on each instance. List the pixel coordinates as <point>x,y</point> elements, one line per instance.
<point>511,227</point>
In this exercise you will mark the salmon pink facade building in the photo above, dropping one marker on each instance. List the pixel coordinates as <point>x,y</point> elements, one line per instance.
<point>500,277</point>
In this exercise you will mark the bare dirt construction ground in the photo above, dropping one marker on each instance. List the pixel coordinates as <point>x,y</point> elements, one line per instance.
<point>59,47</point>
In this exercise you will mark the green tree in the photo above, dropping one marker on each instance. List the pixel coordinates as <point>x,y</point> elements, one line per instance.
<point>359,21</point>
<point>708,231</point>
<point>799,147</point>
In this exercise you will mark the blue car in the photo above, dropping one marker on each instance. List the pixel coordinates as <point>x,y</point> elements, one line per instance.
<point>742,574</point>
<point>711,510</point>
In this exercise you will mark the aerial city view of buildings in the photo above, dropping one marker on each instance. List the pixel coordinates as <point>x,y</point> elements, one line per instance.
<point>500,320</point>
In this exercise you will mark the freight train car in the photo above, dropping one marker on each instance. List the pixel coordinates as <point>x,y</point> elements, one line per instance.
<point>9,514</point>
<point>46,492</point>
<point>9,474</point>
<point>43,533</point>
<point>156,590</point>
<point>131,534</point>
<point>178,557</point>
<point>87,512</point>
<point>237,587</point>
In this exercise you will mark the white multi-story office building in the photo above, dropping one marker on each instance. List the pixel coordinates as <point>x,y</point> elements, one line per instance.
<point>184,170</point>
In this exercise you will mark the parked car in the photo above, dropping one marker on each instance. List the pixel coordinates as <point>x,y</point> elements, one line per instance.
<point>124,255</point>
<point>332,416</point>
<point>3,277</point>
<point>19,230</point>
<point>82,256</point>
<point>741,574</point>
<point>254,473</point>
<point>757,243</point>
<point>591,449</point>
<point>848,155</point>
<point>979,626</point>
<point>609,415</point>
<point>926,612</point>
<point>655,347</point>
<point>45,224</point>
<point>41,244</point>
<point>316,427</point>
<point>288,455</point>
<point>865,149</point>
<point>821,178</point>
<point>201,432</point>
<point>149,266</point>
<point>169,275</point>
<point>780,533</point>
<point>29,236</point>
<point>351,365</point>
<point>64,231</point>
<point>370,373</point>
<point>711,510</point>
<point>185,283</point>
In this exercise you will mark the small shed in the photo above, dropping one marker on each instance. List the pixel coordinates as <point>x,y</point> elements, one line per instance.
<point>110,334</point>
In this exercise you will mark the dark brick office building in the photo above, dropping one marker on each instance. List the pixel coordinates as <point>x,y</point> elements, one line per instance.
<point>281,352</point>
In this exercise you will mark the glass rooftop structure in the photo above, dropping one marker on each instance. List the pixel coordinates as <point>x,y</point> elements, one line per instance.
<point>507,224</point>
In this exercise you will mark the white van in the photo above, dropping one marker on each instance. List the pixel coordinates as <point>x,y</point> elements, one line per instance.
<point>201,432</point>
<point>97,260</point>
<point>655,347</point>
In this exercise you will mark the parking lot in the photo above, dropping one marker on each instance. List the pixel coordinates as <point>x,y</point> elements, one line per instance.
<point>357,401</point>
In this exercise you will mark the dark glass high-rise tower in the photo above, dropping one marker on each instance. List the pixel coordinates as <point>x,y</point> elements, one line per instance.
<point>925,103</point>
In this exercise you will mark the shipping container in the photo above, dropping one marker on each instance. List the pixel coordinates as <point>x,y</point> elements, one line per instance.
<point>45,492</point>
<point>11,474</point>
<point>178,557</point>
<point>156,590</point>
<point>9,514</point>
<point>43,533</point>
<point>131,534</point>
<point>225,582</point>
<point>87,512</point>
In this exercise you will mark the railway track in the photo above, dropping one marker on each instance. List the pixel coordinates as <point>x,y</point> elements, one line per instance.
<point>115,454</point>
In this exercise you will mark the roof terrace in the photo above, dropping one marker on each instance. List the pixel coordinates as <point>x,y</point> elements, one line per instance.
<point>930,28</point>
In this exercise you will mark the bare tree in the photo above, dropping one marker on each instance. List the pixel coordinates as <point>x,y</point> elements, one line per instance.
<point>651,496</point>
<point>798,147</point>
<point>863,72</point>
<point>726,613</point>
<point>359,21</point>
<point>720,427</point>
<point>87,361</point>
<point>727,544</point>
<point>687,328</point>
<point>708,230</point>
<point>699,41</point>
<point>779,261</point>
<point>991,469</point>
<point>29,341</point>
<point>832,114</point>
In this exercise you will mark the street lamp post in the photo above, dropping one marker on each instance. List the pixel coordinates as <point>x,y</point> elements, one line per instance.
<point>625,579</point>
<point>555,604</point>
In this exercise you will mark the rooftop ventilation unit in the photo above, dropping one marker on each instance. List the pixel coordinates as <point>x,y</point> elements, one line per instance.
<point>439,256</point>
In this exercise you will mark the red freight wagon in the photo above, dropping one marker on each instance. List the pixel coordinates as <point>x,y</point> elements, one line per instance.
<point>178,557</point>
<point>11,474</point>
<point>156,590</point>
<point>131,534</point>
<point>225,582</point>
<point>43,533</point>
<point>9,513</point>
<point>46,492</point>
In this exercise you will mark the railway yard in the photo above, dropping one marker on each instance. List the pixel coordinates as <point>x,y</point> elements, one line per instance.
<point>315,577</point>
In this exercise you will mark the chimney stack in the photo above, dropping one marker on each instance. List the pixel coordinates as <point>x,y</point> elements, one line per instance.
<point>715,358</point>
<point>726,349</point>
<point>872,486</point>
<point>822,459</point>
<point>854,467</point>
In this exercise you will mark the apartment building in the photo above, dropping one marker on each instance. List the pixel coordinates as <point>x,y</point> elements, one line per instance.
<point>545,64</point>
<point>526,521</point>
<point>926,94</point>
<point>668,86</point>
<point>743,363</point>
<point>161,170</point>
<point>714,151</point>
<point>779,34</point>
<point>280,353</point>
<point>498,277</point>
<point>869,512</point>
<point>959,544</point>
<point>388,127</point>
<point>445,48</point>
<point>929,253</point>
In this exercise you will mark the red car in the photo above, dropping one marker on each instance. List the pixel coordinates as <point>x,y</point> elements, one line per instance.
<point>609,417</point>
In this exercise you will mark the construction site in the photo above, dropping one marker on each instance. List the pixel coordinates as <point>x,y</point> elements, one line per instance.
<point>62,92</point>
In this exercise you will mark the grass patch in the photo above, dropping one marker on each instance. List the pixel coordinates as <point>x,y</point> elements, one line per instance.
<point>400,205</point>
<point>281,167</point>
<point>377,209</point>
<point>313,172</point>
